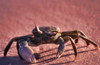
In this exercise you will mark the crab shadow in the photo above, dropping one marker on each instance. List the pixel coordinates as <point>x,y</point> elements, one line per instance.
<point>10,60</point>
<point>54,58</point>
<point>15,60</point>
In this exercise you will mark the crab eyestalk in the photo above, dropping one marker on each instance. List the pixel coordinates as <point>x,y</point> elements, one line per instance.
<point>37,29</point>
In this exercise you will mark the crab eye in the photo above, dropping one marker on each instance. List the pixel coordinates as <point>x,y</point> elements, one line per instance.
<point>52,33</point>
<point>55,32</point>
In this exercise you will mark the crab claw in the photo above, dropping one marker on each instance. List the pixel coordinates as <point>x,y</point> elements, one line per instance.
<point>61,49</point>
<point>27,53</point>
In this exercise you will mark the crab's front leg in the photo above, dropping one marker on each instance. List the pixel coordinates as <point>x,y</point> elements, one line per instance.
<point>25,52</point>
<point>15,39</point>
<point>61,47</point>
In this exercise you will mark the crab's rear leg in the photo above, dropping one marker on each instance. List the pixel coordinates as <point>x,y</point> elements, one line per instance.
<point>77,32</point>
<point>61,47</point>
<point>74,35</point>
<point>88,40</point>
<point>81,33</point>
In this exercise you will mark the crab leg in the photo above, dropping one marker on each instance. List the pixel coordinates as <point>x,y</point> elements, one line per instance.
<point>74,35</point>
<point>7,47</point>
<point>82,35</point>
<point>15,39</point>
<point>74,46</point>
<point>89,41</point>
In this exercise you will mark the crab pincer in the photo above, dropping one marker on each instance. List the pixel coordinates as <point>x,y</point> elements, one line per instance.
<point>61,48</point>
<point>26,52</point>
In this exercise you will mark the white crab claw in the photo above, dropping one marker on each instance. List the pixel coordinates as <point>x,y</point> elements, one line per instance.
<point>27,53</point>
<point>60,51</point>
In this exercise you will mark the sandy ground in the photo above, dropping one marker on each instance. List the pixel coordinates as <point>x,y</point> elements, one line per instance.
<point>17,18</point>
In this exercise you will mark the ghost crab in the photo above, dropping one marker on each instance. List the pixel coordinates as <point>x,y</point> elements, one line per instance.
<point>44,35</point>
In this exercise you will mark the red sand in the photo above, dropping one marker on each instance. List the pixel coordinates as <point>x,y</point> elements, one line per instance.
<point>17,18</point>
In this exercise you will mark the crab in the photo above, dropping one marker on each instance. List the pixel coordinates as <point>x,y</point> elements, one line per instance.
<point>46,35</point>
